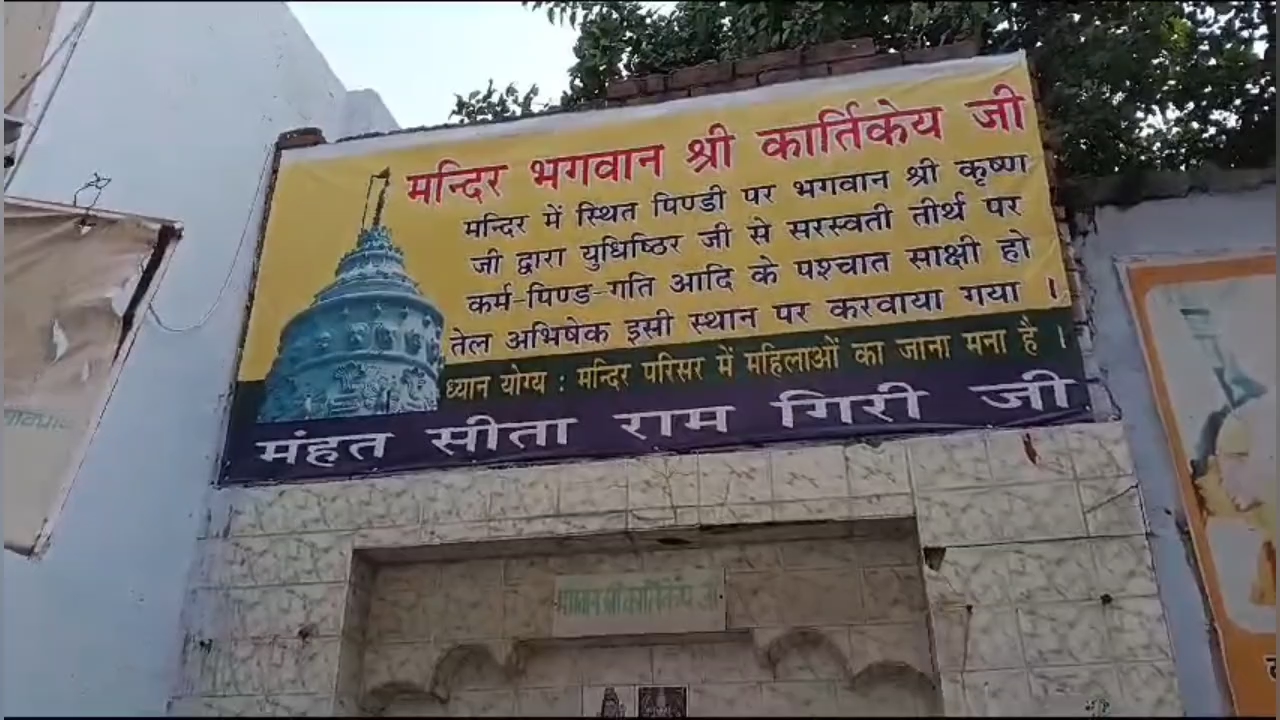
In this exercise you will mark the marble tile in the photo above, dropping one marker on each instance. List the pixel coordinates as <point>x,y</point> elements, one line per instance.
<point>1124,566</point>
<point>658,517</point>
<point>676,664</point>
<point>550,667</point>
<point>483,703</point>
<point>808,473</point>
<point>969,576</point>
<point>457,497</point>
<point>404,613</point>
<point>879,552</point>
<point>662,481</point>
<point>592,488</point>
<point>735,514</point>
<point>872,507</point>
<point>270,667</point>
<point>1099,450</point>
<point>410,664</point>
<point>1051,571</point>
<point>675,560</point>
<point>585,524</point>
<point>892,593</point>
<point>1150,688</point>
<point>880,470</point>
<point>252,706</point>
<point>755,556</point>
<point>727,662</point>
<point>469,613</point>
<point>962,517</point>
<point>798,699</point>
<point>825,659</point>
<point>951,687</point>
<point>603,563</point>
<point>382,538</point>
<point>1031,455</point>
<point>997,693</point>
<point>1043,511</point>
<point>825,553</point>
<point>284,559</point>
<point>485,574</point>
<point>1137,629</point>
<point>626,665</point>
<point>751,599</point>
<point>991,634</point>
<point>886,697</point>
<point>810,510</point>
<point>821,597</point>
<point>286,611</point>
<point>456,532</point>
<point>524,494</point>
<point>549,702</point>
<point>725,700</point>
<point>1112,506</point>
<point>202,664</point>
<point>954,461</point>
<point>906,642</point>
<point>1071,633</point>
<point>527,611</point>
<point>593,700</point>
<point>531,569</point>
<point>1068,691</point>
<point>733,478</point>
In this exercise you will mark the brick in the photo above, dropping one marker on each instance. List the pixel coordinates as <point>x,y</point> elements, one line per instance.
<point>300,138</point>
<point>653,84</point>
<point>768,61</point>
<point>742,83</point>
<point>701,75</point>
<point>622,89</point>
<point>840,50</point>
<point>652,98</point>
<point>780,75</point>
<point>815,71</point>
<point>954,51</point>
<point>863,64</point>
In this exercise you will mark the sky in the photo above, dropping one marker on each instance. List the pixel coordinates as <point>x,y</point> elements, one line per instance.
<point>417,55</point>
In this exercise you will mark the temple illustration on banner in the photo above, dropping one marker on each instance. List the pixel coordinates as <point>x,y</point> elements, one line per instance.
<point>369,343</point>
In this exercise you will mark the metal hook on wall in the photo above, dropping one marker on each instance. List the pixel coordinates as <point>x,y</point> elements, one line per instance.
<point>97,183</point>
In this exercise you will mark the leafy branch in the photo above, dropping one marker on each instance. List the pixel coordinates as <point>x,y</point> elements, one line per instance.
<point>1128,85</point>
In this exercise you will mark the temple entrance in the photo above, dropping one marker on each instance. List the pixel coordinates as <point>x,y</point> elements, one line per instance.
<point>790,621</point>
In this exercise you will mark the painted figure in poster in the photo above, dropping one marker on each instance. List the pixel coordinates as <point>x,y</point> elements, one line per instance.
<point>369,344</point>
<point>662,702</point>
<point>611,706</point>
<point>1234,461</point>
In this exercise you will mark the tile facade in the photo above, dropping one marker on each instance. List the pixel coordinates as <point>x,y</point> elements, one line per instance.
<point>1032,576</point>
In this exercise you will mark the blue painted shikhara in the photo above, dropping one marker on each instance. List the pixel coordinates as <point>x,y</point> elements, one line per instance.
<point>369,344</point>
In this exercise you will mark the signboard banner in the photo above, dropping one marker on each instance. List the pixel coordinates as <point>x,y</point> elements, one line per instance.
<point>1209,333</point>
<point>68,280</point>
<point>874,260</point>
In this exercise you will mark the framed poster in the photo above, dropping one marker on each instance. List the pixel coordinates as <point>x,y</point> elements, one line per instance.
<point>1208,331</point>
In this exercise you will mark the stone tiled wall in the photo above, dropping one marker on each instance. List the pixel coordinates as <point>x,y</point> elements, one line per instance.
<point>1041,589</point>
<point>1036,566</point>
<point>469,631</point>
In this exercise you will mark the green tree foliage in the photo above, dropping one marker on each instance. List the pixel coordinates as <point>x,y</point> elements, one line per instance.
<point>1127,85</point>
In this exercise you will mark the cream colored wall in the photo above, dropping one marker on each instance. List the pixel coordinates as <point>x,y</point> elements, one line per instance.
<point>1037,572</point>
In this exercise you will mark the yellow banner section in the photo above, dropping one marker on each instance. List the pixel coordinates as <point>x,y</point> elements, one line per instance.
<point>912,201</point>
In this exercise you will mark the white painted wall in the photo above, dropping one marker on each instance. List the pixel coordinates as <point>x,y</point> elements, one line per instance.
<point>179,104</point>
